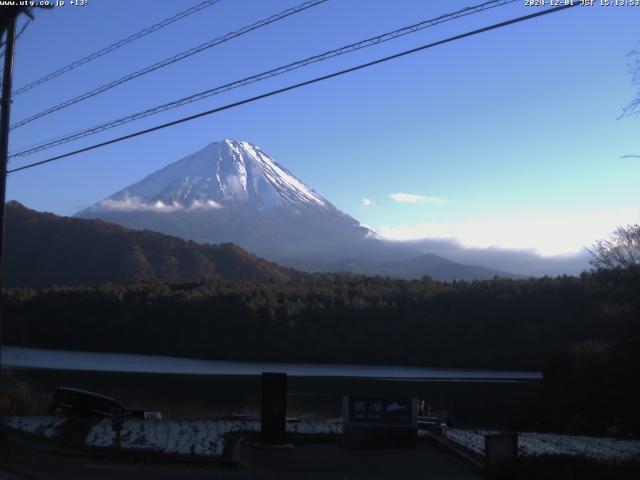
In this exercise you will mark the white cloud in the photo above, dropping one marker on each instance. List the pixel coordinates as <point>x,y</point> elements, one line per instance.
<point>367,202</point>
<point>547,234</point>
<point>137,204</point>
<point>371,233</point>
<point>204,205</point>
<point>413,198</point>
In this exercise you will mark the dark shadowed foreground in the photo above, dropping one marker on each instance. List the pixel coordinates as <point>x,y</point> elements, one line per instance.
<point>329,461</point>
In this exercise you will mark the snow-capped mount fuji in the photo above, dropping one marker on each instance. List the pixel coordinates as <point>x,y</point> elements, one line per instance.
<point>232,191</point>
<point>223,174</point>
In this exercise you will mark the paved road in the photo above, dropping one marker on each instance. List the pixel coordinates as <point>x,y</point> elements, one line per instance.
<point>319,462</point>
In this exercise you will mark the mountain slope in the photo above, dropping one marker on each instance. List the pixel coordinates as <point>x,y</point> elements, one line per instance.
<point>42,249</point>
<point>233,192</point>
<point>223,174</point>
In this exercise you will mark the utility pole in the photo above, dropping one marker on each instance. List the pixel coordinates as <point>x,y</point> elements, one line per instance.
<point>8,18</point>
<point>9,27</point>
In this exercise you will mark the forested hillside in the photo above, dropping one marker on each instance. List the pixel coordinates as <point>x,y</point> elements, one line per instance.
<point>43,249</point>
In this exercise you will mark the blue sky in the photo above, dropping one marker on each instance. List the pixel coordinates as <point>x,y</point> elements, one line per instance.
<point>510,138</point>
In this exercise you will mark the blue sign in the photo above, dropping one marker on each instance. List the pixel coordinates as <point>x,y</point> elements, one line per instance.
<point>379,410</point>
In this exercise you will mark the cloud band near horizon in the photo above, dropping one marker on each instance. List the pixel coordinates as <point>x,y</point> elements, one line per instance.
<point>414,198</point>
<point>547,234</point>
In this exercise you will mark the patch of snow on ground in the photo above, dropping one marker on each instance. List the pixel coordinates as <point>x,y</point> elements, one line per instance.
<point>101,434</point>
<point>42,426</point>
<point>328,428</point>
<point>471,439</point>
<point>592,447</point>
<point>531,444</point>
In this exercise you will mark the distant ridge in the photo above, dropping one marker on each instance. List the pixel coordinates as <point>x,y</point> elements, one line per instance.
<point>434,266</point>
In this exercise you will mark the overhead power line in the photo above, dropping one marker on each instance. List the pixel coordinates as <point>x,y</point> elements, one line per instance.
<point>296,86</point>
<point>262,76</point>
<point>114,46</point>
<point>24,27</point>
<point>168,61</point>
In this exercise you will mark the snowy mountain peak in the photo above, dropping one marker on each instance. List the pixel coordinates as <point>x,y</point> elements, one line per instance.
<point>222,174</point>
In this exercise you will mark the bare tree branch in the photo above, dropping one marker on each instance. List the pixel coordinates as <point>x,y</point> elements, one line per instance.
<point>632,109</point>
<point>620,250</point>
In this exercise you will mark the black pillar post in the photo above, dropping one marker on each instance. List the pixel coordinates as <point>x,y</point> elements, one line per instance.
<point>273,417</point>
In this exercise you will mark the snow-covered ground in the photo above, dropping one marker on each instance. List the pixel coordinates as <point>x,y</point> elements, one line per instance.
<point>186,437</point>
<point>206,438</point>
<point>48,427</point>
<point>530,444</point>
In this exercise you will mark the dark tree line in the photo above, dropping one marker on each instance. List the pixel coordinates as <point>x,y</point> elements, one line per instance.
<point>338,318</point>
<point>500,323</point>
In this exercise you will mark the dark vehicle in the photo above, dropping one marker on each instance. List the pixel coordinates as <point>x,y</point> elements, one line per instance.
<point>81,403</point>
